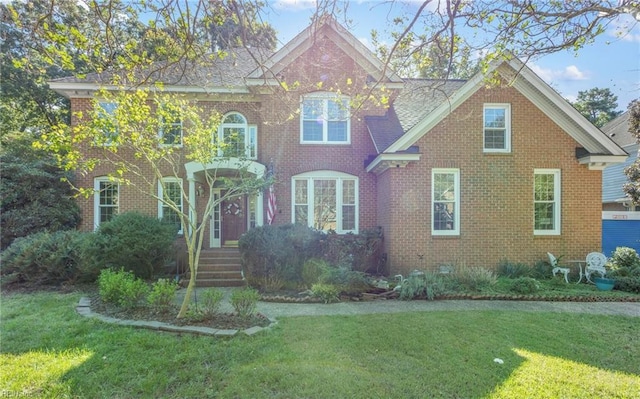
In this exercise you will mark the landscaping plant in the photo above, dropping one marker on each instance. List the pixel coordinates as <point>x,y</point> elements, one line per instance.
<point>121,288</point>
<point>211,299</point>
<point>162,294</point>
<point>244,301</point>
<point>327,293</point>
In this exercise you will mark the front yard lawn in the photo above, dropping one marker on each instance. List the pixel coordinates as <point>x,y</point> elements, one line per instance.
<point>48,351</point>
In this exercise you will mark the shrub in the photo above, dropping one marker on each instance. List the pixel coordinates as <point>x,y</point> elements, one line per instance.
<point>628,284</point>
<point>33,196</point>
<point>422,285</point>
<point>513,270</point>
<point>121,288</point>
<point>327,293</point>
<point>274,255</point>
<point>136,242</point>
<point>525,285</point>
<point>474,278</point>
<point>211,300</point>
<point>163,294</point>
<point>624,261</point>
<point>244,301</point>
<point>349,282</point>
<point>45,258</point>
<point>360,252</point>
<point>541,270</point>
<point>312,270</point>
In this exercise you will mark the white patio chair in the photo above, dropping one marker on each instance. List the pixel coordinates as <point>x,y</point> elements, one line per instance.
<point>557,269</point>
<point>595,264</point>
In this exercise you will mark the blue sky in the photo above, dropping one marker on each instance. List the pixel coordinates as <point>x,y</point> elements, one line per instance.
<point>611,62</point>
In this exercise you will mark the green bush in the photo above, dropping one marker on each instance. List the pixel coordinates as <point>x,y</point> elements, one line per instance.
<point>359,252</point>
<point>327,293</point>
<point>211,299</point>
<point>541,270</point>
<point>138,243</point>
<point>474,278</point>
<point>624,262</point>
<point>513,270</point>
<point>46,259</point>
<point>525,285</point>
<point>121,288</point>
<point>349,282</point>
<point>244,301</point>
<point>273,256</point>
<point>421,285</point>
<point>628,284</point>
<point>33,196</point>
<point>312,270</point>
<point>163,294</point>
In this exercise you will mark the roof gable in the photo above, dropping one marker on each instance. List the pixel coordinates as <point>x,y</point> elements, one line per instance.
<point>536,90</point>
<point>325,27</point>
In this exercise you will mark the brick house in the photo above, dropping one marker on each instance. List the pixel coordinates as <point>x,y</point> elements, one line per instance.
<point>454,172</point>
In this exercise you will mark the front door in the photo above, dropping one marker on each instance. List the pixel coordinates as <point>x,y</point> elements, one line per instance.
<point>234,219</point>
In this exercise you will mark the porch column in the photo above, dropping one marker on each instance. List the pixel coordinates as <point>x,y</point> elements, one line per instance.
<point>260,210</point>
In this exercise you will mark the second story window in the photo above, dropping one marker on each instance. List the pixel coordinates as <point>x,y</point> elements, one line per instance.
<point>325,119</point>
<point>236,138</point>
<point>107,123</point>
<point>171,130</point>
<point>497,128</point>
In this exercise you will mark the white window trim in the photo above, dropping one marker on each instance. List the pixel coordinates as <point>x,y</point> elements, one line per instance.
<point>327,175</point>
<point>250,135</point>
<point>161,196</point>
<point>557,214</point>
<point>325,96</point>
<point>96,199</point>
<point>507,125</point>
<point>456,206</point>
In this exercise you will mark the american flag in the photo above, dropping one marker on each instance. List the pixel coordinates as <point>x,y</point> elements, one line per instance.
<point>271,205</point>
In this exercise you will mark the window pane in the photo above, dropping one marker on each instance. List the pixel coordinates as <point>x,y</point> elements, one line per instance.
<point>108,201</point>
<point>312,131</point>
<point>234,142</point>
<point>312,110</point>
<point>234,118</point>
<point>348,217</point>
<point>494,139</point>
<point>544,216</point>
<point>301,214</point>
<point>338,110</point>
<point>349,192</point>
<point>544,187</point>
<point>444,187</point>
<point>494,117</point>
<point>337,131</point>
<point>443,216</point>
<point>324,204</point>
<point>300,191</point>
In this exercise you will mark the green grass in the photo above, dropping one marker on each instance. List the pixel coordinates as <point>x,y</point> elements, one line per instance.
<point>48,351</point>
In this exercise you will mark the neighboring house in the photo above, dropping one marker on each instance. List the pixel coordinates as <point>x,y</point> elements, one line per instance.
<point>454,172</point>
<point>620,217</point>
<point>613,177</point>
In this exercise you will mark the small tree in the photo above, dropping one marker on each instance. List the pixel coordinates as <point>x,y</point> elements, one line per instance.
<point>130,145</point>
<point>597,105</point>
<point>633,171</point>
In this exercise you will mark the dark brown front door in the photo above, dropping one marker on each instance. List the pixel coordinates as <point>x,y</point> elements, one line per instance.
<point>234,219</point>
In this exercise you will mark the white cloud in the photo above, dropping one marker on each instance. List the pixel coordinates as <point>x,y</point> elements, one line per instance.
<point>570,72</point>
<point>294,5</point>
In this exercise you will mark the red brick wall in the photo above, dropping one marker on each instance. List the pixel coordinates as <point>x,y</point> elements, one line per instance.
<point>496,192</point>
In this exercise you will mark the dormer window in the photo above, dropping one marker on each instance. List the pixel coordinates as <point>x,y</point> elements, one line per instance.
<point>325,119</point>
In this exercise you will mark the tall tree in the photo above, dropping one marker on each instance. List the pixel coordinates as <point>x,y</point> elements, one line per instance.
<point>632,188</point>
<point>597,105</point>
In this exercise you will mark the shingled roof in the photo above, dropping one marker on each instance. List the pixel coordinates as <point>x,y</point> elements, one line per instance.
<point>418,98</point>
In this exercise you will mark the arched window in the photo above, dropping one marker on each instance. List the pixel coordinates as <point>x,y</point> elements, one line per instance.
<point>326,200</point>
<point>236,138</point>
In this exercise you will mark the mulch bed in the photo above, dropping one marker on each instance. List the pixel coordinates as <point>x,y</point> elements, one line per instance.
<point>222,321</point>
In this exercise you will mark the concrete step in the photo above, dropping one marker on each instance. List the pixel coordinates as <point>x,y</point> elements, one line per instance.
<point>220,283</point>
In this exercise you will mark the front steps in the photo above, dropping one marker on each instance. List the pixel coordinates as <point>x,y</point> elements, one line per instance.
<point>220,267</point>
